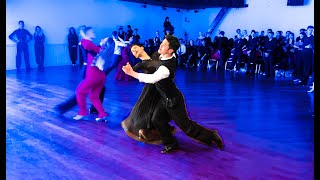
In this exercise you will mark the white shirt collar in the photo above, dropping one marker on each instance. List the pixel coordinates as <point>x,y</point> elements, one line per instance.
<point>173,55</point>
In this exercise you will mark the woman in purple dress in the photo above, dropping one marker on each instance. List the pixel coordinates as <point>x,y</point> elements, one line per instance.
<point>125,57</point>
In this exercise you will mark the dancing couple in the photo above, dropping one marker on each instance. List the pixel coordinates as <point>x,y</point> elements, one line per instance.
<point>161,101</point>
<point>100,61</point>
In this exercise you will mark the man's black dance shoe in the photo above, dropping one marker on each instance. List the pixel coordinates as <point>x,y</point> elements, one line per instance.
<point>217,139</point>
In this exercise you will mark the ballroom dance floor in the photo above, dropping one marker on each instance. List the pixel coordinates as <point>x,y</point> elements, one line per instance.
<point>267,126</point>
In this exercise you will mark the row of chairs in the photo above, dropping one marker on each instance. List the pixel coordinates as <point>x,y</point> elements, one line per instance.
<point>215,62</point>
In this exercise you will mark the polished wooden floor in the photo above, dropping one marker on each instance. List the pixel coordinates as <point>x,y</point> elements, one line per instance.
<point>267,126</point>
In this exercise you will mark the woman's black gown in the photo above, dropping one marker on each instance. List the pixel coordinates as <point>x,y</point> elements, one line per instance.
<point>138,124</point>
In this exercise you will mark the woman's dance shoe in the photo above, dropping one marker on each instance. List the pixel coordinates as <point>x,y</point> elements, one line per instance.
<point>99,119</point>
<point>80,117</point>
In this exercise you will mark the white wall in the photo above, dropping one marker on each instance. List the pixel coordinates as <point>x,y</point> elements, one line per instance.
<point>259,15</point>
<point>194,23</point>
<point>56,16</point>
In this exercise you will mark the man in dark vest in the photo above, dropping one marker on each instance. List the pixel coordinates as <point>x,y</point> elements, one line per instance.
<point>21,36</point>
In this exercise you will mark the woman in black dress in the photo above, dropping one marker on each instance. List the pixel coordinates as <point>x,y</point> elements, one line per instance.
<point>72,45</point>
<point>39,39</point>
<point>138,124</point>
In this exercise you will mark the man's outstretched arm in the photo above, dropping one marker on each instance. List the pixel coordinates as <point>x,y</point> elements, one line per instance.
<point>162,73</point>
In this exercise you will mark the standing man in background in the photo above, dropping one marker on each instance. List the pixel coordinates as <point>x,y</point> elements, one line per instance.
<point>308,55</point>
<point>136,36</point>
<point>20,37</point>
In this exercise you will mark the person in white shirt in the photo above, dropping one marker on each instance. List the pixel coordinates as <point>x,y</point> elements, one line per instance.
<point>157,40</point>
<point>181,52</point>
<point>119,43</point>
<point>171,98</point>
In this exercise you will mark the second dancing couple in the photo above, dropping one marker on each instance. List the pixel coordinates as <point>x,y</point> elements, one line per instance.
<point>161,101</point>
